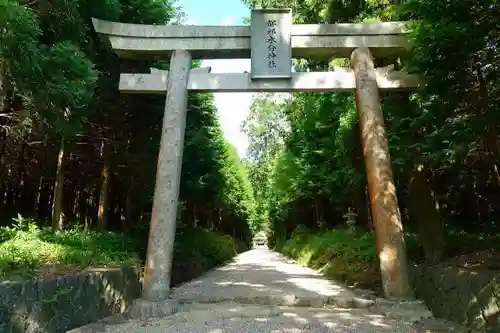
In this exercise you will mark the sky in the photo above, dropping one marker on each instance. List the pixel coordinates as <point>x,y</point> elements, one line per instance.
<point>233,108</point>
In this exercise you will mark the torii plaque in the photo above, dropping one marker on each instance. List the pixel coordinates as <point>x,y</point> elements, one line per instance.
<point>271,49</point>
<point>182,43</point>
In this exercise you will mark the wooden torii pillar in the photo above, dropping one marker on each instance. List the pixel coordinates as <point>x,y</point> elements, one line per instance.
<point>271,41</point>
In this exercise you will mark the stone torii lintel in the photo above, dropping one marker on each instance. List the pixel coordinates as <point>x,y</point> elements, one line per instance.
<point>202,80</point>
<point>231,42</point>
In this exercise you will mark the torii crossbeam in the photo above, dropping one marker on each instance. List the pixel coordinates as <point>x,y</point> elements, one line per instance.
<point>232,42</point>
<point>201,80</point>
<point>270,42</point>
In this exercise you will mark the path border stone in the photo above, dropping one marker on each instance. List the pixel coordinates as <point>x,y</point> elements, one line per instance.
<point>59,303</point>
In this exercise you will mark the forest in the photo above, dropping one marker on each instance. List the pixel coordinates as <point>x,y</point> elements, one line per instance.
<point>305,158</point>
<point>78,159</point>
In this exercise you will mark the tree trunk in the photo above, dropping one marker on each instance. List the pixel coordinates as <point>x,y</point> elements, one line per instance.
<point>384,204</point>
<point>3,146</point>
<point>57,201</point>
<point>491,136</point>
<point>44,202</point>
<point>3,88</point>
<point>70,192</point>
<point>36,197</point>
<point>82,203</point>
<point>3,104</point>
<point>476,200</point>
<point>76,200</point>
<point>128,221</point>
<point>102,211</point>
<point>3,195</point>
<point>9,200</point>
<point>424,211</point>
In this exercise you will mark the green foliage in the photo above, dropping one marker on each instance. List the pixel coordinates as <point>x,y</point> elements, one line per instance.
<point>59,80</point>
<point>461,87</point>
<point>219,180</point>
<point>339,254</point>
<point>265,128</point>
<point>19,36</point>
<point>65,85</point>
<point>26,250</point>
<point>451,126</point>
<point>69,90</point>
<point>39,53</point>
<point>205,246</point>
<point>6,234</point>
<point>459,242</point>
<point>238,194</point>
<point>352,257</point>
<point>296,145</point>
<point>198,250</point>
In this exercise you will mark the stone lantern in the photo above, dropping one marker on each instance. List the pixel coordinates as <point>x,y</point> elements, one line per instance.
<point>350,217</point>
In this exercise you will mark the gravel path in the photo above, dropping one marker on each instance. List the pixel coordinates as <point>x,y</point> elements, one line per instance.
<point>264,277</point>
<point>261,291</point>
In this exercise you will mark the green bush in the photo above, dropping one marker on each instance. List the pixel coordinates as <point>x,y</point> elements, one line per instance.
<point>198,250</point>
<point>459,242</point>
<point>352,257</point>
<point>213,247</point>
<point>6,234</point>
<point>26,250</point>
<point>339,254</point>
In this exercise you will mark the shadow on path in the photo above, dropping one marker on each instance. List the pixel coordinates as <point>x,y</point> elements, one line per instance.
<point>261,291</point>
<point>260,276</point>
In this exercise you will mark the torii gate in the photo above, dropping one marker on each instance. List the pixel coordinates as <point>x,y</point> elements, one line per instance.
<point>271,41</point>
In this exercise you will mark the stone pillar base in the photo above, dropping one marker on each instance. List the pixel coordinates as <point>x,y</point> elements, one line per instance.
<point>141,308</point>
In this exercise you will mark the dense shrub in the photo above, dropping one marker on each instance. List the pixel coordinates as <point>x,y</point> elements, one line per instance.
<point>26,250</point>
<point>198,250</point>
<point>340,255</point>
<point>352,257</point>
